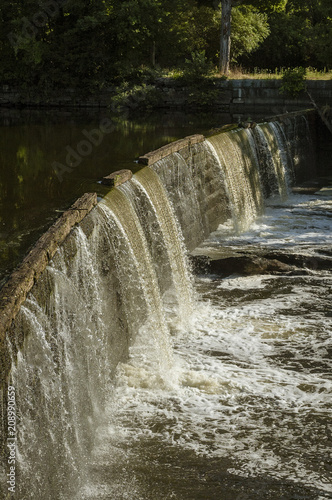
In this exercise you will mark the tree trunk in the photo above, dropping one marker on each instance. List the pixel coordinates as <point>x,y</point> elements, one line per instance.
<point>153,54</point>
<point>225,36</point>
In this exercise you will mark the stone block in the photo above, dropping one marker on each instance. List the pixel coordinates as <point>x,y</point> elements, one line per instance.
<point>117,178</point>
<point>173,147</point>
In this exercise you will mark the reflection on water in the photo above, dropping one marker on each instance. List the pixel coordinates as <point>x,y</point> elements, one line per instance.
<point>33,193</point>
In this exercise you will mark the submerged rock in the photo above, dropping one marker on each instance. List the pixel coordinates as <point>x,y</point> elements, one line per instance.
<point>274,263</point>
<point>243,265</point>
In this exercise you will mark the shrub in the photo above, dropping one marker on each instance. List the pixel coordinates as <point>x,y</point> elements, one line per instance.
<point>137,75</point>
<point>293,81</point>
<point>197,67</point>
<point>135,97</point>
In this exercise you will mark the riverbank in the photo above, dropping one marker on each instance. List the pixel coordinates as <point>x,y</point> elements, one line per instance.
<point>237,95</point>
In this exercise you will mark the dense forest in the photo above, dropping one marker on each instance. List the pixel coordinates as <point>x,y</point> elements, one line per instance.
<point>97,43</point>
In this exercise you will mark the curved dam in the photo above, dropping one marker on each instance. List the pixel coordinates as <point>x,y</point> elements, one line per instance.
<point>130,373</point>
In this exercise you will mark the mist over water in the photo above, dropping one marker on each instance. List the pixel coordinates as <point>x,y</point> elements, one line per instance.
<point>224,386</point>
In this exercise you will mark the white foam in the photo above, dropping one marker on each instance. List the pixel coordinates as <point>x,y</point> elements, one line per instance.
<point>251,380</point>
<point>232,397</point>
<point>244,283</point>
<point>300,221</point>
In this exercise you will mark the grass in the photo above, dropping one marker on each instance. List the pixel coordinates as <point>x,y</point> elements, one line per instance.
<point>277,74</point>
<point>258,74</point>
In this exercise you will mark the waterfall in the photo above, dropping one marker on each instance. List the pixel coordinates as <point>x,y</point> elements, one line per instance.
<point>119,294</point>
<point>165,240</point>
<point>99,301</point>
<point>276,157</point>
<point>196,190</point>
<point>238,161</point>
<point>122,213</point>
<point>178,176</point>
<point>62,373</point>
<point>149,183</point>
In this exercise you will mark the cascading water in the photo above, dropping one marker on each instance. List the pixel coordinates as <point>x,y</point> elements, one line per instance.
<point>177,175</point>
<point>238,160</point>
<point>137,251</point>
<point>116,400</point>
<point>62,378</point>
<point>196,190</point>
<point>149,182</point>
<point>99,295</point>
<point>285,152</point>
<point>277,156</point>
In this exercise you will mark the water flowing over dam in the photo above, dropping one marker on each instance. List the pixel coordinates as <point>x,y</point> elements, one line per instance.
<point>137,377</point>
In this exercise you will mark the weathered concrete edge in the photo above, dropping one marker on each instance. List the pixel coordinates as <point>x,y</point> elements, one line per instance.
<point>117,178</point>
<point>173,147</point>
<point>21,281</point>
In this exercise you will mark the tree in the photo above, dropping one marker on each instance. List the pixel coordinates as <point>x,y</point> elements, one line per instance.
<point>284,47</point>
<point>225,37</point>
<point>226,20</point>
<point>249,29</point>
<point>87,44</point>
<point>54,44</point>
<point>317,16</point>
<point>300,35</point>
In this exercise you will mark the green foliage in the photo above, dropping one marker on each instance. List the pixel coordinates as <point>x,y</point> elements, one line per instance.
<point>293,81</point>
<point>285,45</point>
<point>249,29</point>
<point>88,45</point>
<point>197,67</point>
<point>137,75</point>
<point>300,36</point>
<point>135,97</point>
<point>270,6</point>
<point>322,43</point>
<point>203,96</point>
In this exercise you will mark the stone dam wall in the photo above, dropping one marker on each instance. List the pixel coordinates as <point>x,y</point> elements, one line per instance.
<point>200,175</point>
<point>231,96</point>
<point>204,176</point>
